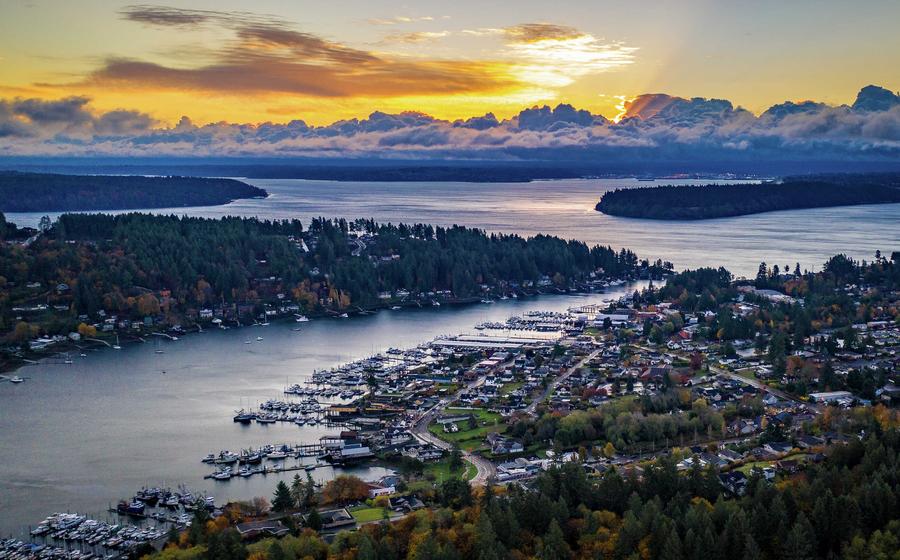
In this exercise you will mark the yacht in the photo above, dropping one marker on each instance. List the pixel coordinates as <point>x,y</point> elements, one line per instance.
<point>259,339</point>
<point>16,379</point>
<point>302,319</point>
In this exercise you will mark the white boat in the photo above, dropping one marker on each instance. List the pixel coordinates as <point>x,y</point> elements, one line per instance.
<point>396,308</point>
<point>344,315</point>
<point>259,338</point>
<point>247,341</point>
<point>302,319</point>
<point>435,303</point>
<point>277,455</point>
<point>116,345</point>
<point>16,379</point>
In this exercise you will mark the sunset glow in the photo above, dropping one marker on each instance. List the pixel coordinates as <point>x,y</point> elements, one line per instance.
<point>282,61</point>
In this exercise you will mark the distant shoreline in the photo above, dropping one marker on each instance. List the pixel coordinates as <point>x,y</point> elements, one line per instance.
<point>48,192</point>
<point>691,203</point>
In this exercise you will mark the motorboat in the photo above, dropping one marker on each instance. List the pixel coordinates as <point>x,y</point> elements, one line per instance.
<point>16,379</point>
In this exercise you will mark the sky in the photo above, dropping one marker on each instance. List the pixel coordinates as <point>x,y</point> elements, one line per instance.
<point>607,79</point>
<point>260,61</point>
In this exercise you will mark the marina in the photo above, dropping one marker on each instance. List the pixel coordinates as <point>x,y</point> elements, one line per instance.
<point>165,423</point>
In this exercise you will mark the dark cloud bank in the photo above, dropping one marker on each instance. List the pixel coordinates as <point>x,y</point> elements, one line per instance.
<point>656,128</point>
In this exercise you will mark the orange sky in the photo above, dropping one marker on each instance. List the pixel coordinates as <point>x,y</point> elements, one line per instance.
<point>219,61</point>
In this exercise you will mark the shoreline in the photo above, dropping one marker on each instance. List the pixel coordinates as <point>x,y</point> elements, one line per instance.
<point>8,369</point>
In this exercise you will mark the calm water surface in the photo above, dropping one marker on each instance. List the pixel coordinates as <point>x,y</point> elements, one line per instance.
<point>566,208</point>
<point>79,437</point>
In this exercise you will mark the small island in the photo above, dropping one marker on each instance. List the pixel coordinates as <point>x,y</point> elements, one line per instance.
<point>720,201</point>
<point>49,192</point>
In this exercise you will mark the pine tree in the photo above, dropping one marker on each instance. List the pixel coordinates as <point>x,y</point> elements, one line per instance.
<point>283,500</point>
<point>553,545</point>
<point>801,541</point>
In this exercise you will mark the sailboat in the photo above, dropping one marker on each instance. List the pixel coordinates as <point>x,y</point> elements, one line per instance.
<point>116,345</point>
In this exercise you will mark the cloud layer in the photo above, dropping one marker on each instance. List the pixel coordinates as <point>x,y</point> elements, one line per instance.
<point>654,126</point>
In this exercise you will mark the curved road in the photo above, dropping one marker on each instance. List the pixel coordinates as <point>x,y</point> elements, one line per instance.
<point>485,469</point>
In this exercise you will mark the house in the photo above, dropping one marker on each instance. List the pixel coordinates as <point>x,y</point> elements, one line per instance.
<point>504,446</point>
<point>336,519</point>
<point>264,528</point>
<point>808,442</point>
<point>778,447</point>
<point>734,481</point>
<point>376,490</point>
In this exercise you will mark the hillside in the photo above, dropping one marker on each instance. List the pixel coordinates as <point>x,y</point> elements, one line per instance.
<point>47,192</point>
<point>719,201</point>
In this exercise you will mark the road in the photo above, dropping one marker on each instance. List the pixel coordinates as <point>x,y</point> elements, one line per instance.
<point>485,469</point>
<point>555,383</point>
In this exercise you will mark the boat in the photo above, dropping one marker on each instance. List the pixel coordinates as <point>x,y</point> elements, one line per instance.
<point>116,345</point>
<point>224,474</point>
<point>16,379</point>
<point>226,458</point>
<point>309,468</point>
<point>343,315</point>
<point>435,303</point>
<point>245,472</point>
<point>171,502</point>
<point>133,508</point>
<point>247,341</point>
<point>244,417</point>
<point>259,339</point>
<point>250,458</point>
<point>302,319</point>
<point>396,308</point>
<point>277,455</point>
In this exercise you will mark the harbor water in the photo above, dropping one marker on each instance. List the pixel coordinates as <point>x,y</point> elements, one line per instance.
<point>81,436</point>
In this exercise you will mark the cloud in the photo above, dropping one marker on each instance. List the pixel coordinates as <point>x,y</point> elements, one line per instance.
<point>534,32</point>
<point>397,20</point>
<point>416,37</point>
<point>69,117</point>
<point>265,55</point>
<point>655,127</point>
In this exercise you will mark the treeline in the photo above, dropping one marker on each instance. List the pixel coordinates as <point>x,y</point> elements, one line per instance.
<point>47,192</point>
<point>121,264</point>
<point>846,506</point>
<point>719,201</point>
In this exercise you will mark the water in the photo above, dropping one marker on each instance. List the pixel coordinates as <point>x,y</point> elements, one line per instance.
<point>565,208</point>
<point>79,437</point>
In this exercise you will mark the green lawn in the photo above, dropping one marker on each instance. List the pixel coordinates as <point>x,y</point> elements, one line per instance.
<point>470,439</point>
<point>510,387</point>
<point>366,514</point>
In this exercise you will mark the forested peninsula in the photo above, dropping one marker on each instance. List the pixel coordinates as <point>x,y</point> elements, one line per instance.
<point>720,201</point>
<point>48,192</point>
<point>168,270</point>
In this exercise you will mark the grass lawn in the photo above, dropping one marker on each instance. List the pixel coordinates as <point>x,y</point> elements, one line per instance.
<point>510,387</point>
<point>748,373</point>
<point>441,470</point>
<point>365,514</point>
<point>470,439</point>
